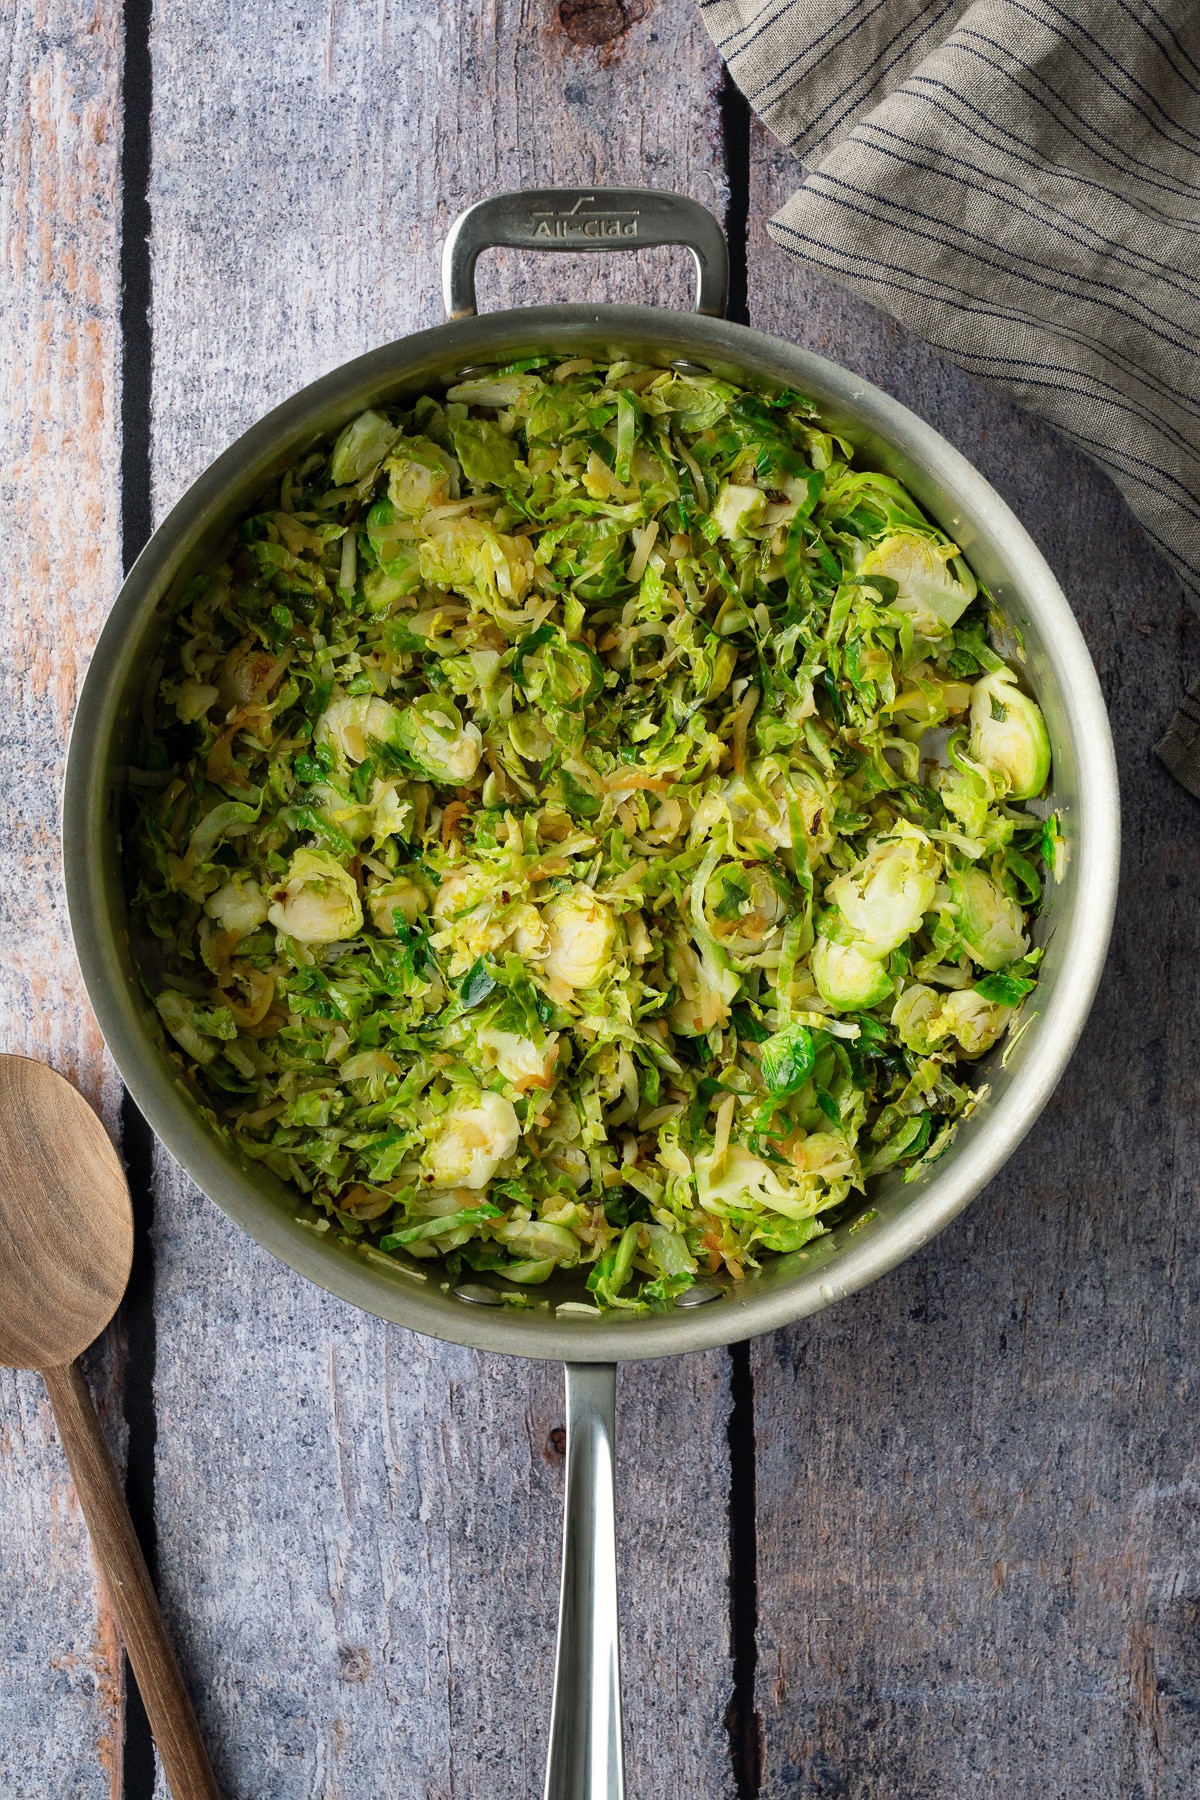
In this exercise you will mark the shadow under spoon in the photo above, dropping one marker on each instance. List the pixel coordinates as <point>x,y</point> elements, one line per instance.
<point>66,1243</point>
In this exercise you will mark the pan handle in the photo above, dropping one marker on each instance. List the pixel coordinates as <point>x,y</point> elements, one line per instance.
<point>584,219</point>
<point>586,1757</point>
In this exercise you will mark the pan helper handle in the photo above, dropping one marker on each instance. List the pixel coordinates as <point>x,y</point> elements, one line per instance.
<point>584,219</point>
<point>586,1758</point>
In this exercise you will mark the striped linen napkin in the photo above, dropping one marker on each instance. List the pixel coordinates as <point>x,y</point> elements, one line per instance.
<point>1019,182</point>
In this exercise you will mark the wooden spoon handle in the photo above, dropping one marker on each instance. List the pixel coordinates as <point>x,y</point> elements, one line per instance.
<point>127,1578</point>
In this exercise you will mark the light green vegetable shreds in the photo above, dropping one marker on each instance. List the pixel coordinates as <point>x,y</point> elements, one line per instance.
<point>546,866</point>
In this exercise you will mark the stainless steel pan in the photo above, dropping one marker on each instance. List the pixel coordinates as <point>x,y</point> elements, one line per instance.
<point>585,1749</point>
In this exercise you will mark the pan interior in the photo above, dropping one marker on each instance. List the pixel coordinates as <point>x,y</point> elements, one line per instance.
<point>557,1320</point>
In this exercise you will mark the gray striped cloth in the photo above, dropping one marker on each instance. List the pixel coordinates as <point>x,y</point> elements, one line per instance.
<point>1019,182</point>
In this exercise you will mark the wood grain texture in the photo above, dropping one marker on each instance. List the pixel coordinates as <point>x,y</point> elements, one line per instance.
<point>359,1533</point>
<point>60,1672</point>
<point>66,1225</point>
<point>979,1501</point>
<point>66,1246</point>
<point>359,1530</point>
<point>309,158</point>
<point>979,1533</point>
<point>61,1687</point>
<point>58,486</point>
<point>127,1583</point>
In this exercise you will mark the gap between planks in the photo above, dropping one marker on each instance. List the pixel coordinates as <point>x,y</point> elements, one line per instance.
<point>743,1723</point>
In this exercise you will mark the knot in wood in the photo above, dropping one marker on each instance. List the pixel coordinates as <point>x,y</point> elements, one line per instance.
<point>354,1663</point>
<point>599,22</point>
<point>556,1443</point>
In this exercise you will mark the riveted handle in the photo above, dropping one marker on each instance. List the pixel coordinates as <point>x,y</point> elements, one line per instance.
<point>584,219</point>
<point>586,1759</point>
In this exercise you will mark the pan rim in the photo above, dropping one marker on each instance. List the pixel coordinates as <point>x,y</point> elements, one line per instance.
<point>962,1173</point>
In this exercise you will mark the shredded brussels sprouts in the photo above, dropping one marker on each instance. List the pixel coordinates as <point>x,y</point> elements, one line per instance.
<point>547,859</point>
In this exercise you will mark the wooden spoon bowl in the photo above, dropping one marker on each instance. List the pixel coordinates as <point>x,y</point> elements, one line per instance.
<point>66,1224</point>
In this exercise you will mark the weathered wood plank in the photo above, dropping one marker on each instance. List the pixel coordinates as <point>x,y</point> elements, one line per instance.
<point>301,199</point>
<point>60,1672</point>
<point>359,1531</point>
<point>979,1531</point>
<point>59,399</point>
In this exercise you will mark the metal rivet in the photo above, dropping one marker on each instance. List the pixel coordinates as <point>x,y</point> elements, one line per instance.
<point>475,1294</point>
<point>475,369</point>
<point>690,368</point>
<point>698,1296</point>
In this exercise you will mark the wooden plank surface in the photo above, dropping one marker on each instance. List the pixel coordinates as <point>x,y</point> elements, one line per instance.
<point>978,1555</point>
<point>303,186</point>
<point>358,1529</point>
<point>359,1532</point>
<point>979,1518</point>
<point>60,1670</point>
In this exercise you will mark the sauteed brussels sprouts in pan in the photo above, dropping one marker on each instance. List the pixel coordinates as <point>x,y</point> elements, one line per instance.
<point>585,823</point>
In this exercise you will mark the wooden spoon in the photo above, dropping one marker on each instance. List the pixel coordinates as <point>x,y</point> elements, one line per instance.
<point>66,1244</point>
